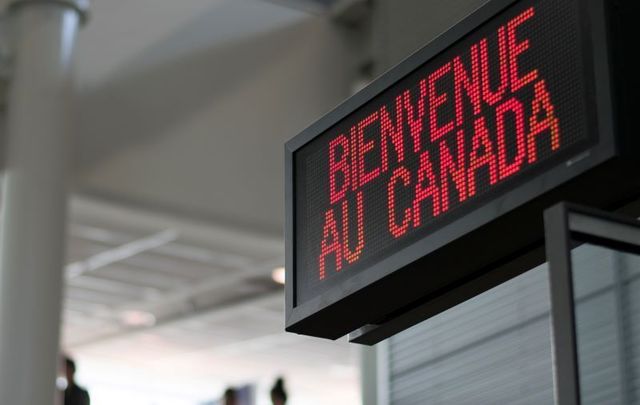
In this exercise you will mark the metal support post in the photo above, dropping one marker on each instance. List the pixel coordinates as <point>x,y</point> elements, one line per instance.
<point>32,222</point>
<point>565,356</point>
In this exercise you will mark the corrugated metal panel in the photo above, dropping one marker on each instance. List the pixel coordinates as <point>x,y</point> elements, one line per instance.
<point>492,349</point>
<point>597,329</point>
<point>496,349</point>
<point>608,339</point>
<point>598,350</point>
<point>632,319</point>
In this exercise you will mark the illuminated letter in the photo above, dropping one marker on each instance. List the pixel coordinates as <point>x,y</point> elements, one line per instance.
<point>515,49</point>
<point>489,96</point>
<point>482,141</point>
<point>338,165</point>
<point>435,101</point>
<point>468,82</point>
<point>398,230</point>
<point>354,255</point>
<point>414,119</point>
<point>330,230</point>
<point>425,172</point>
<point>354,157</point>
<point>449,167</point>
<point>515,107</point>
<point>542,103</point>
<point>387,130</point>
<point>365,147</point>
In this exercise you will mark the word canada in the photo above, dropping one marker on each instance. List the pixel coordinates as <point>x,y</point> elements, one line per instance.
<point>468,125</point>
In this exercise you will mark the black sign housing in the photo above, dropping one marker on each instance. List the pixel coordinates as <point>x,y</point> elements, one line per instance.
<point>428,186</point>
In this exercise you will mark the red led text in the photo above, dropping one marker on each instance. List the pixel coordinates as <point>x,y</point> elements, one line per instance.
<point>471,123</point>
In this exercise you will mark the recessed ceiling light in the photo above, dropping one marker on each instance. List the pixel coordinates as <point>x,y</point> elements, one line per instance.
<point>62,383</point>
<point>137,318</point>
<point>278,275</point>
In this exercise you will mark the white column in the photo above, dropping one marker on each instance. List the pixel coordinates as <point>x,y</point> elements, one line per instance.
<point>32,227</point>
<point>368,375</point>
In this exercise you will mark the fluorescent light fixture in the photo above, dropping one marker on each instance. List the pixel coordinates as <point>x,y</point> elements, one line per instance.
<point>278,275</point>
<point>120,253</point>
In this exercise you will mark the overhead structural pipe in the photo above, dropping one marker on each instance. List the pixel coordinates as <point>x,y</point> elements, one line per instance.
<point>34,197</point>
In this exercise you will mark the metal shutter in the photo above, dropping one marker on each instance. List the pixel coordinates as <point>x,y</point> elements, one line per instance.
<point>496,348</point>
<point>493,349</point>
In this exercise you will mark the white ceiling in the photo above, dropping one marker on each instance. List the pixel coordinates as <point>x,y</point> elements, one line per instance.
<point>183,109</point>
<point>218,315</point>
<point>192,117</point>
<point>127,35</point>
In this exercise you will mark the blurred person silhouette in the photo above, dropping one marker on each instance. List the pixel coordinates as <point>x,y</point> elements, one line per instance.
<point>73,394</point>
<point>278,393</point>
<point>230,397</point>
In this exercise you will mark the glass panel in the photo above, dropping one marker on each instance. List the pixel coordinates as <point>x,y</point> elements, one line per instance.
<point>607,305</point>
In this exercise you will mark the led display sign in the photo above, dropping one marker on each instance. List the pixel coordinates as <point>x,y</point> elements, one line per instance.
<point>433,152</point>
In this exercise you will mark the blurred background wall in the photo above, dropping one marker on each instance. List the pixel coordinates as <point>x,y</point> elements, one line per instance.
<point>176,211</point>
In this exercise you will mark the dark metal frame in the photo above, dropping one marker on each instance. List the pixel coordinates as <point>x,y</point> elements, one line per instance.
<point>565,225</point>
<point>357,303</point>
